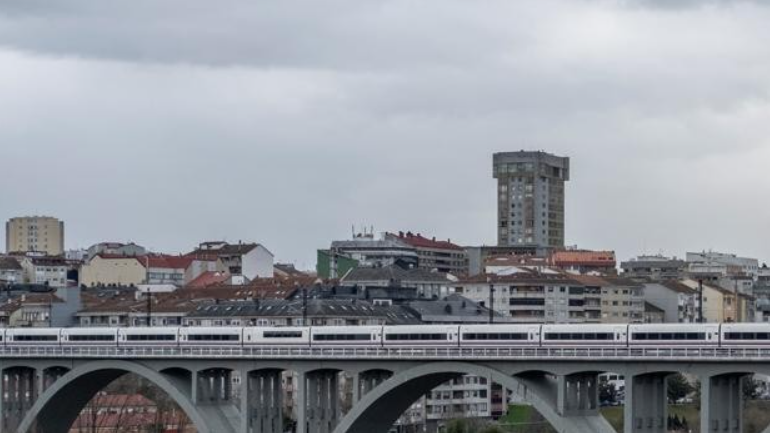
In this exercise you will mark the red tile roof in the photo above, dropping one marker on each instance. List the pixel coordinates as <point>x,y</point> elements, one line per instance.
<point>208,278</point>
<point>418,241</point>
<point>584,258</point>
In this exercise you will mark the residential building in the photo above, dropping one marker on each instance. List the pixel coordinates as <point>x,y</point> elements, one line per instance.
<point>333,264</point>
<point>719,304</point>
<point>653,314</point>
<point>111,270</point>
<point>364,251</point>
<point>428,284</point>
<point>11,271</point>
<point>247,260</point>
<point>38,306</point>
<point>46,270</point>
<point>528,297</point>
<point>530,198</point>
<point>622,301</point>
<point>654,268</point>
<point>678,302</point>
<point>165,269</point>
<point>115,249</point>
<point>576,261</point>
<point>712,262</point>
<point>432,254</point>
<point>35,233</point>
<point>278,312</point>
<point>478,256</point>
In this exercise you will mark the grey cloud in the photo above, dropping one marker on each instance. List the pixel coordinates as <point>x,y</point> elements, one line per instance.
<point>169,124</point>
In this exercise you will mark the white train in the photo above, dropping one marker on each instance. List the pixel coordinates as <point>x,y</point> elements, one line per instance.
<point>674,335</point>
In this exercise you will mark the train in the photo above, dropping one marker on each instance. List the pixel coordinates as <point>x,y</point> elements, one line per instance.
<point>491,335</point>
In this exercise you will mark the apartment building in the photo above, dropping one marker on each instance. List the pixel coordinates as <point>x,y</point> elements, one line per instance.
<point>10,271</point>
<point>528,297</point>
<point>530,198</point>
<point>433,254</point>
<point>678,302</point>
<point>654,268</point>
<point>585,261</point>
<point>35,233</point>
<point>248,261</point>
<point>46,270</point>
<point>113,270</point>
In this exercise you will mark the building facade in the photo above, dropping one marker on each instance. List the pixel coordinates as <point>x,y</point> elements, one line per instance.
<point>654,268</point>
<point>433,254</point>
<point>107,270</point>
<point>35,233</point>
<point>530,198</point>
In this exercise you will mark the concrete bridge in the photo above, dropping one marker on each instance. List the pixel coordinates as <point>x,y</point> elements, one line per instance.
<point>44,389</point>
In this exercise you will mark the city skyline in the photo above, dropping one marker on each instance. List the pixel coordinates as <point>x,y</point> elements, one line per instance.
<point>227,136</point>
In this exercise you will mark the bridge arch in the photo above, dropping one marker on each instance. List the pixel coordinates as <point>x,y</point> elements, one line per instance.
<point>59,406</point>
<point>379,409</point>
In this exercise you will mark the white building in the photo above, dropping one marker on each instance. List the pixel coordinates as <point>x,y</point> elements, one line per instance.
<point>46,270</point>
<point>250,261</point>
<point>711,262</point>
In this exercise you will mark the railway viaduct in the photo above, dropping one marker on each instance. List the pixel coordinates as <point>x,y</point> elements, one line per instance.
<point>44,390</point>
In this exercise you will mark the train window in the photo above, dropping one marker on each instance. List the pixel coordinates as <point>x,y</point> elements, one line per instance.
<point>578,336</point>
<point>668,336</point>
<point>35,337</point>
<point>92,338</point>
<point>747,336</point>
<point>407,337</point>
<point>213,337</point>
<point>494,336</point>
<point>282,334</point>
<point>342,337</point>
<point>152,337</point>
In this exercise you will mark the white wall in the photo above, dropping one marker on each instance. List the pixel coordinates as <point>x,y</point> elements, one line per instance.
<point>257,263</point>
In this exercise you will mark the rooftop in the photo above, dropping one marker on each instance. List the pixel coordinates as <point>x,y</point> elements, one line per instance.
<point>418,241</point>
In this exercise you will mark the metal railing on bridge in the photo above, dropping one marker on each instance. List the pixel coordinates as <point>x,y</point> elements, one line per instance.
<point>393,353</point>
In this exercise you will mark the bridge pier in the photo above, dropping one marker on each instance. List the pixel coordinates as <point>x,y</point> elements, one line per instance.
<point>318,401</point>
<point>366,381</point>
<point>262,402</point>
<point>18,392</point>
<point>646,408</point>
<point>722,403</point>
<point>578,394</point>
<point>213,397</point>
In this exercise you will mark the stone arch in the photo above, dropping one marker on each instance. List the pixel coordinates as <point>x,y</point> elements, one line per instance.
<point>58,407</point>
<point>378,410</point>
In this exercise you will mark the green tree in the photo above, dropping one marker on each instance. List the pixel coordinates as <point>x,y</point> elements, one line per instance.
<point>491,429</point>
<point>458,426</point>
<point>678,388</point>
<point>607,392</point>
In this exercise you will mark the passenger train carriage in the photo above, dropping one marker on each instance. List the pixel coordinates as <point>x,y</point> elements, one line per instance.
<point>503,335</point>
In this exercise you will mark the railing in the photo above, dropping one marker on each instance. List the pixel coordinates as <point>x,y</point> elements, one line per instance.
<point>690,354</point>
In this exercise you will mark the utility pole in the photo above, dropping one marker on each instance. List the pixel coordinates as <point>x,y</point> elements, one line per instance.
<point>491,302</point>
<point>304,306</point>
<point>149,308</point>
<point>700,300</point>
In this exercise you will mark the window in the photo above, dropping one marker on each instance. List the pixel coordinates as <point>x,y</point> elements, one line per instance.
<point>92,338</point>
<point>652,336</point>
<point>36,337</point>
<point>342,337</point>
<point>494,336</point>
<point>282,334</point>
<point>747,336</point>
<point>145,337</point>
<point>578,336</point>
<point>213,337</point>
<point>406,337</point>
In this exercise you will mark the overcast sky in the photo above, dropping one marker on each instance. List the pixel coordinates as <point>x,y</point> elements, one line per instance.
<point>287,122</point>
